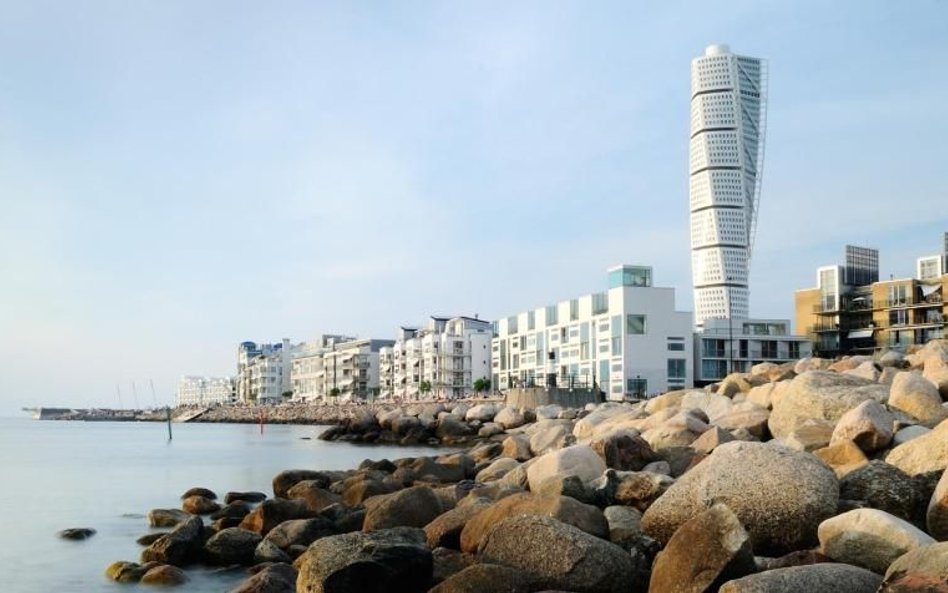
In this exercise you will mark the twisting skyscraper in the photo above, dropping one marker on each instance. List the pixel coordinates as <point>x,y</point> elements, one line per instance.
<point>726,155</point>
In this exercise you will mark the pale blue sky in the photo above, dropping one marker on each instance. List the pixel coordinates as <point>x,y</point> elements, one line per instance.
<point>176,177</point>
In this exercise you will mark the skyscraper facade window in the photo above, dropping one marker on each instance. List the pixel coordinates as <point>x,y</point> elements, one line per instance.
<point>726,153</point>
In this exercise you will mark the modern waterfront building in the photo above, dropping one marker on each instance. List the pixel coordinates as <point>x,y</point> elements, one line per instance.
<point>263,372</point>
<point>205,391</point>
<point>628,341</point>
<point>351,370</point>
<point>726,157</point>
<point>856,313</point>
<point>735,345</point>
<point>308,374</point>
<point>441,360</point>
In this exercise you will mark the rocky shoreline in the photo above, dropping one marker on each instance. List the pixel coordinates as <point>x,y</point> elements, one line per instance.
<point>808,477</point>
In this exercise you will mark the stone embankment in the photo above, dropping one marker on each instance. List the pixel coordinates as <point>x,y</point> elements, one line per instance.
<point>808,477</point>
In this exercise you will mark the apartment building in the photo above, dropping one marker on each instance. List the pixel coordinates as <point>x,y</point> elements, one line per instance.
<point>205,391</point>
<point>308,374</point>
<point>852,313</point>
<point>350,370</point>
<point>263,372</point>
<point>628,341</point>
<point>724,346</point>
<point>442,360</point>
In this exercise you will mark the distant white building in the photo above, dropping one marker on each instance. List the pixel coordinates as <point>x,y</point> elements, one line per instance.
<point>444,358</point>
<point>351,370</point>
<point>724,346</point>
<point>263,372</point>
<point>308,375</point>
<point>628,341</point>
<point>204,391</point>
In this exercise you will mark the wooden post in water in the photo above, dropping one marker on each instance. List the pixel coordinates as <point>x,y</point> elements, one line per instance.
<point>168,415</point>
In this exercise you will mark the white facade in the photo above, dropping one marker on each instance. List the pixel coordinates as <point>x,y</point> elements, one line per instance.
<point>731,345</point>
<point>204,391</point>
<point>629,341</point>
<point>351,370</point>
<point>931,267</point>
<point>726,153</point>
<point>263,372</point>
<point>447,356</point>
<point>308,375</point>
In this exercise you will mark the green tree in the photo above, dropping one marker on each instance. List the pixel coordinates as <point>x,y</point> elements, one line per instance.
<point>481,385</point>
<point>334,392</point>
<point>425,387</point>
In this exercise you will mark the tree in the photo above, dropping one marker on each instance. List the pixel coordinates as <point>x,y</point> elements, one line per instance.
<point>481,385</point>
<point>425,387</point>
<point>334,392</point>
<point>287,394</point>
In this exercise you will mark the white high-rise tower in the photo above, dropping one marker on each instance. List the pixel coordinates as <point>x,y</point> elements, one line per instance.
<point>726,157</point>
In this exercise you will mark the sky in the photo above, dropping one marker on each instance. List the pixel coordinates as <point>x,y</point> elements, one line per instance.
<point>178,177</point>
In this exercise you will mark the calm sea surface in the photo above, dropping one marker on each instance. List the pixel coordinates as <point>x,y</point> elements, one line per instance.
<point>107,475</point>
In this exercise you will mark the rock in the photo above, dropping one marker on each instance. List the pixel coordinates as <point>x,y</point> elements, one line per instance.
<point>198,505</point>
<point>272,512</point>
<point>481,413</point>
<point>936,516</point>
<point>548,412</point>
<point>490,429</point>
<point>128,572</point>
<point>180,546</point>
<point>559,556</point>
<point>813,578</point>
<point>918,397</point>
<point>866,370</point>
<point>586,427</point>
<point>881,486</point>
<point>681,459</point>
<point>300,532</point>
<point>869,425</point>
<point>821,395</point>
<point>762,395</point>
<point>711,547</point>
<point>483,578</point>
<point>411,507</point>
<point>166,575</point>
<point>550,435</point>
<point>930,560</point>
<point>710,439</point>
<point>77,533</point>
<point>517,447</point>
<point>658,467</point>
<point>809,435</point>
<point>237,509</point>
<point>577,460</point>
<point>448,562</point>
<point>452,468</point>
<point>149,538</point>
<point>252,496</point>
<point>198,491</point>
<point>625,525</point>
<point>923,454</point>
<point>405,424</point>
<point>360,489</point>
<point>843,457</point>
<point>892,358</point>
<point>232,546</point>
<point>780,506</point>
<point>798,558</point>
<point>267,551</point>
<point>623,450</point>
<point>640,489</point>
<point>166,517</point>
<point>510,418</point>
<point>915,583</point>
<point>747,415</point>
<point>713,405</point>
<point>908,433</point>
<point>367,562</point>
<point>563,508</point>
<point>276,578</point>
<point>936,371</point>
<point>445,530</point>
<point>497,469</point>
<point>283,481</point>
<point>452,427</point>
<point>869,538</point>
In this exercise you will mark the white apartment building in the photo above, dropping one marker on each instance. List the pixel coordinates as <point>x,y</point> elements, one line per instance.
<point>204,391</point>
<point>441,360</point>
<point>263,372</point>
<point>726,154</point>
<point>350,370</point>
<point>724,346</point>
<point>308,375</point>
<point>628,341</point>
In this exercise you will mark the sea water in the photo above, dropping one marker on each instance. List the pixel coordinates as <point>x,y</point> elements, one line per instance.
<point>108,475</point>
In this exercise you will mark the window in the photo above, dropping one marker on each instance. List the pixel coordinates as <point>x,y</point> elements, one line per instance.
<point>531,320</point>
<point>574,310</point>
<point>512,324</point>
<point>793,349</point>
<point>635,324</point>
<point>551,315</point>
<point>676,346</point>
<point>600,303</point>
<point>637,387</point>
<point>676,368</point>
<point>768,349</point>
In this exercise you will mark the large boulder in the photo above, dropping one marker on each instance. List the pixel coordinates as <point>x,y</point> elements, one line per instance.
<point>497,469</point>
<point>250,496</point>
<point>481,413</point>
<point>936,516</point>
<point>625,525</point>
<point>869,425</point>
<point>930,560</point>
<point>587,426</point>
<point>300,532</point>
<point>315,496</point>
<point>577,460</point>
<point>640,489</point>
<point>180,546</point>
<point>711,547</point>
<point>164,575</point>
<point>923,454</point>
<point>623,450</point>
<point>918,397</point>
<point>746,415</point>
<point>368,562</point>
<point>199,505</point>
<point>445,530</point>
<point>563,508</point>
<point>167,517</point>
<point>285,480</point>
<point>809,435</point>
<point>880,486</point>
<point>936,371</point>
<point>516,446</point>
<point>842,456</point>
<point>276,578</point>
<point>821,395</point>
<point>509,418</point>
<point>483,578</point>
<point>271,513</point>
<point>232,546</point>
<point>412,507</point>
<point>869,538</point>
<point>558,556</point>
<point>550,435</point>
<point>812,578</point>
<point>779,495</point>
